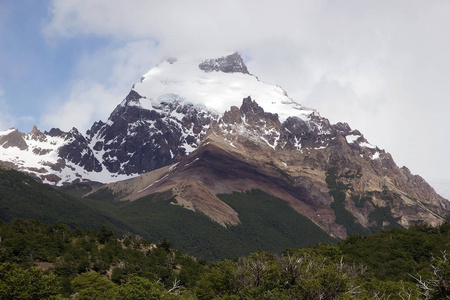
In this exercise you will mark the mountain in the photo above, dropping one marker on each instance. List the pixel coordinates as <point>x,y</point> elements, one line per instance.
<point>195,130</point>
<point>328,173</point>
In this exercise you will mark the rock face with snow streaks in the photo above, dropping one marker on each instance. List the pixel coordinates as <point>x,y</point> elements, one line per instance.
<point>136,140</point>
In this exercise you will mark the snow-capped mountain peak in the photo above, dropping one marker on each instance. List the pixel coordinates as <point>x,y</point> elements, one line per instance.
<point>216,84</point>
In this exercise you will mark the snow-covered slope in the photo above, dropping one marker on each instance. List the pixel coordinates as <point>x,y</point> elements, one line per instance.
<point>30,150</point>
<point>55,157</point>
<point>183,80</point>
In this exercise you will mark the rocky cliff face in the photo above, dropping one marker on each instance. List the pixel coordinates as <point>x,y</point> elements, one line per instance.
<point>353,180</point>
<point>137,140</point>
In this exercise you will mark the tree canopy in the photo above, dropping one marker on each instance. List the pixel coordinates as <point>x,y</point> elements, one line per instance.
<point>39,261</point>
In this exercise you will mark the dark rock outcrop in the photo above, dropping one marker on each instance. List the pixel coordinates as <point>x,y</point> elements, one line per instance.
<point>229,64</point>
<point>77,150</point>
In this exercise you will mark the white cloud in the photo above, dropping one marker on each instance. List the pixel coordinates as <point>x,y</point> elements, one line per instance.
<point>182,25</point>
<point>87,102</point>
<point>381,66</point>
<point>103,79</point>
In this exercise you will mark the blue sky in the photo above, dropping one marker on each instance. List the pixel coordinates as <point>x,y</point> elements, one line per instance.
<point>24,52</point>
<point>37,71</point>
<point>33,69</point>
<point>381,66</point>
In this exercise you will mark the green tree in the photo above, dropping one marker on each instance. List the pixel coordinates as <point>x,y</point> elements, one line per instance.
<point>93,286</point>
<point>219,281</point>
<point>105,235</point>
<point>26,283</point>
<point>137,288</point>
<point>165,244</point>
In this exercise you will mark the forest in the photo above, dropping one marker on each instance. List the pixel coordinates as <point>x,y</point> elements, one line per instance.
<point>42,261</point>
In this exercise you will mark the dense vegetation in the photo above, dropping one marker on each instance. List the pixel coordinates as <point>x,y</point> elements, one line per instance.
<point>267,223</point>
<point>23,197</point>
<point>40,261</point>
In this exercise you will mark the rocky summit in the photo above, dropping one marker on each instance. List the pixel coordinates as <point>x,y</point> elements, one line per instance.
<point>199,128</point>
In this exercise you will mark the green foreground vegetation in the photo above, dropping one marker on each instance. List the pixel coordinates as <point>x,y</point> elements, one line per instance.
<point>39,261</point>
<point>267,223</point>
